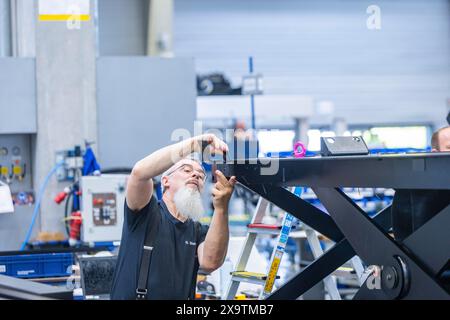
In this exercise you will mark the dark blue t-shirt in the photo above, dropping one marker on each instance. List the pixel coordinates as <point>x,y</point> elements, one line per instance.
<point>174,263</point>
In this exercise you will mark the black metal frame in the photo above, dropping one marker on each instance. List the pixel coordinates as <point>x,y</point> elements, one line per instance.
<point>410,269</point>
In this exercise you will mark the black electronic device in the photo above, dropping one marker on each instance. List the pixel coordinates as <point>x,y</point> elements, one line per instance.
<point>343,146</point>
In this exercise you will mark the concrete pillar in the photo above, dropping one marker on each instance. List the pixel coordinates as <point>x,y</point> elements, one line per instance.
<point>23,15</point>
<point>5,28</point>
<point>160,28</point>
<point>339,126</point>
<point>66,101</point>
<point>301,130</point>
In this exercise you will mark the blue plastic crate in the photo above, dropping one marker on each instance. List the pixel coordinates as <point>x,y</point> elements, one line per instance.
<point>36,265</point>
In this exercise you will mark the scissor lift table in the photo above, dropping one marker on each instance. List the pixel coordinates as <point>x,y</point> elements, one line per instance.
<point>410,269</point>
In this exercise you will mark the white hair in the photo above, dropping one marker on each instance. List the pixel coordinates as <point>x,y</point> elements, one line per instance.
<point>194,157</point>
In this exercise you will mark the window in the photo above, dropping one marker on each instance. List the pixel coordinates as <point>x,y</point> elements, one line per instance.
<point>397,137</point>
<point>275,140</point>
<point>379,137</point>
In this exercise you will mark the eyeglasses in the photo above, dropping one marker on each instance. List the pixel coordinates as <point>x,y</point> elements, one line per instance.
<point>188,170</point>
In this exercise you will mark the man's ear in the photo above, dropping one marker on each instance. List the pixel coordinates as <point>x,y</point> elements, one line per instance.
<point>165,182</point>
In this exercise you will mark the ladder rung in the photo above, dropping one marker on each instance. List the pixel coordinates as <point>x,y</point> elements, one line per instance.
<point>263,231</point>
<point>344,272</point>
<point>263,226</point>
<point>250,277</point>
<point>248,280</point>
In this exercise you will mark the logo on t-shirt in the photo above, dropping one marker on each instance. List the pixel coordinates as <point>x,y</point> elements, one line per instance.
<point>190,243</point>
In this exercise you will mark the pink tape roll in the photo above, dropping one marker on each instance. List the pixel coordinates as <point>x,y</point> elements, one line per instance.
<point>297,153</point>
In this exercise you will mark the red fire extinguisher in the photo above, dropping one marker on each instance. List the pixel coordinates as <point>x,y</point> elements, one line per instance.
<point>75,226</point>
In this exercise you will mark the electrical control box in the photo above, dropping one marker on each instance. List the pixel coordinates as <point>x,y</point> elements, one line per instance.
<point>102,207</point>
<point>15,167</point>
<point>15,160</point>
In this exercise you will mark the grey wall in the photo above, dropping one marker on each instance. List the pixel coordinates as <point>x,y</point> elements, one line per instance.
<point>17,95</point>
<point>400,73</point>
<point>141,100</point>
<point>122,27</point>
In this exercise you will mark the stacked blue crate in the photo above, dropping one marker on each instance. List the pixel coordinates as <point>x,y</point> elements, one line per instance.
<point>42,265</point>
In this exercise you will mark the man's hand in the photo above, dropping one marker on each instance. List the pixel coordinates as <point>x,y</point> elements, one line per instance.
<point>222,191</point>
<point>217,146</point>
<point>212,252</point>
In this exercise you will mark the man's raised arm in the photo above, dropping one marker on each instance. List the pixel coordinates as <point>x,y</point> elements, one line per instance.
<point>140,185</point>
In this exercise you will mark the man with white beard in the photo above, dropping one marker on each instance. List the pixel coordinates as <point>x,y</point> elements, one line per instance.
<point>179,243</point>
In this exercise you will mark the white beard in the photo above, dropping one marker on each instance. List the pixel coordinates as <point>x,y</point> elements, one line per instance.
<point>188,202</point>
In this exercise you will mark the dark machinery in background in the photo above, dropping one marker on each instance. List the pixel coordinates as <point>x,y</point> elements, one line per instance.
<point>215,84</point>
<point>14,288</point>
